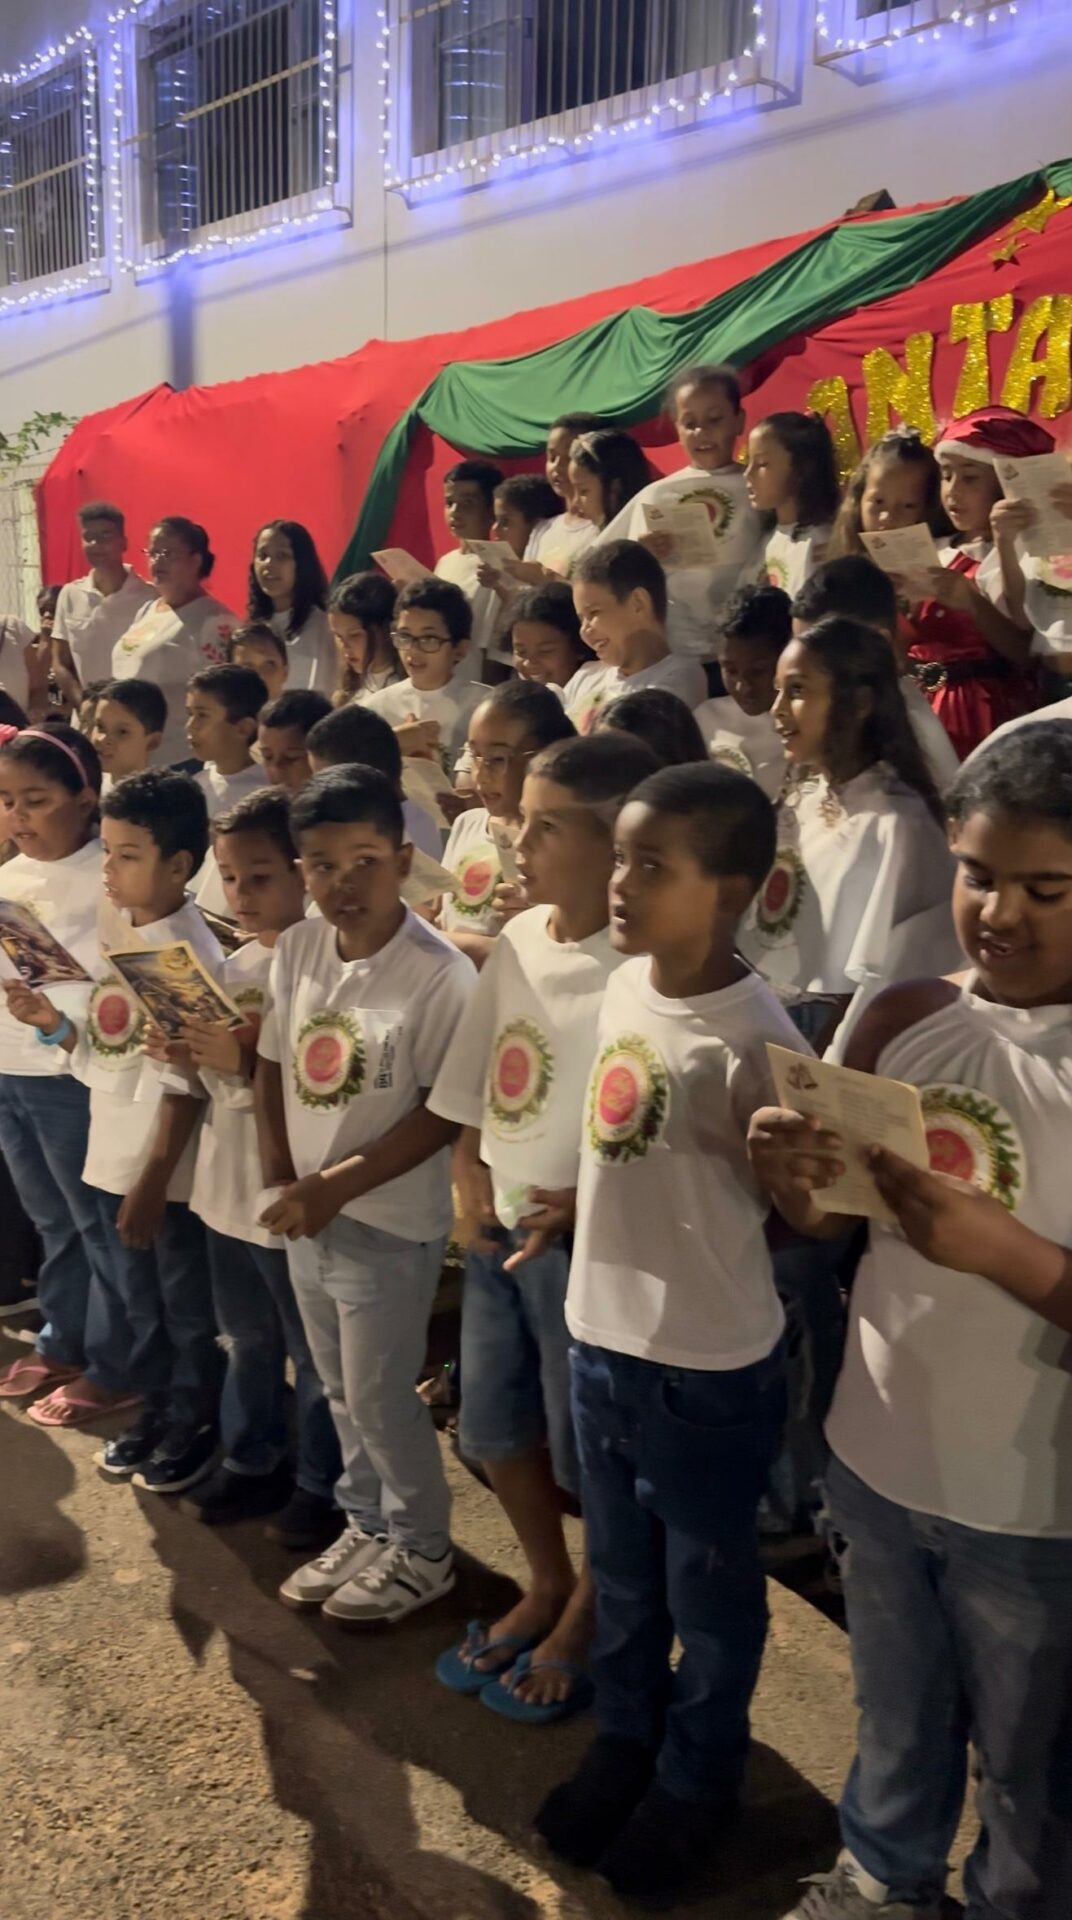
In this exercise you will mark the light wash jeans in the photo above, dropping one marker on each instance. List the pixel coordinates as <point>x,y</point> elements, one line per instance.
<point>44,1128</point>
<point>365,1298</point>
<point>957,1636</point>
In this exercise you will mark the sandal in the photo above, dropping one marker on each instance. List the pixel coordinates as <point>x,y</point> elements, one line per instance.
<point>457,1668</point>
<point>23,1378</point>
<point>502,1695</point>
<point>66,1408</point>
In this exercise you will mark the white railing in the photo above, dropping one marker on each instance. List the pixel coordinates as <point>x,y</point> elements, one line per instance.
<point>50,176</point>
<point>471,86</point>
<point>858,36</point>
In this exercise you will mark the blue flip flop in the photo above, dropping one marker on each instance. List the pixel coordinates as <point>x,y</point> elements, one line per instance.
<point>459,1671</point>
<point>502,1698</point>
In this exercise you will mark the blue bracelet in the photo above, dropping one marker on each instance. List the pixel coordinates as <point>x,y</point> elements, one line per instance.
<point>54,1039</point>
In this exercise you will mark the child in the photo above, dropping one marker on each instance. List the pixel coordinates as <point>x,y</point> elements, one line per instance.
<point>897,484</point>
<point>222,704</point>
<point>251,1290</point>
<point>259,646</point>
<point>361,615</point>
<point>677,1362</point>
<point>525,506</point>
<point>129,718</point>
<point>49,788</point>
<point>288,588</point>
<point>88,702</point>
<point>469,500</point>
<point>704,404</point>
<point>546,636</point>
<point>949,1485</point>
<point>352,736</point>
<point>792,477</point>
<point>429,710</point>
<point>361,1006</point>
<point>514,722</point>
<point>856,589</point>
<point>858,893</point>
<point>619,591</point>
<point>94,612</point>
<point>660,719</point>
<point>606,470</point>
<point>554,548</point>
<point>737,726</point>
<point>283,729</point>
<point>514,1077</point>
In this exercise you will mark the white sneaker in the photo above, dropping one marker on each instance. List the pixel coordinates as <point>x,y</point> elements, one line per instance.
<point>850,1893</point>
<point>396,1583</point>
<point>318,1579</point>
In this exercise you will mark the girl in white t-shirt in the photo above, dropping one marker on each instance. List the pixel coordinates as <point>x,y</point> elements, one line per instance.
<point>178,633</point>
<point>545,636</point>
<point>554,547</point>
<point>606,470</point>
<point>792,477</point>
<point>361,615</point>
<point>949,1486</point>
<point>288,588</point>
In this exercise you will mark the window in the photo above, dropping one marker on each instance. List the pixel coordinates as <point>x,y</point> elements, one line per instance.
<point>235,105</point>
<point>49,172</point>
<point>856,36</point>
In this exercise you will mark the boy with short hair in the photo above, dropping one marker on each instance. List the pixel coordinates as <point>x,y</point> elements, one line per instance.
<point>88,702</point>
<point>620,594</point>
<point>362,1001</point>
<point>222,705</point>
<point>259,646</point>
<point>737,727</point>
<point>355,737</point>
<point>430,709</point>
<point>283,729</point>
<point>128,725</point>
<point>677,1363</point>
<point>469,502</point>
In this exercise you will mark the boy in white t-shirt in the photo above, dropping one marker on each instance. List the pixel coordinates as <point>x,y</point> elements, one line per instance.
<point>429,710</point>
<point>469,504</point>
<point>129,718</point>
<point>677,1363</point>
<point>737,726</point>
<point>222,704</point>
<point>619,591</point>
<point>514,1076</point>
<point>362,1002</point>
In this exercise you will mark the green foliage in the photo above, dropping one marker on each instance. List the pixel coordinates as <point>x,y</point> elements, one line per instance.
<point>34,433</point>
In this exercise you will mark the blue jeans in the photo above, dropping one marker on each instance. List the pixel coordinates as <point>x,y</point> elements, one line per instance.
<point>365,1298</point>
<point>957,1636</point>
<point>673,1464</point>
<point>163,1291</point>
<point>44,1128</point>
<point>515,1359</point>
<point>256,1309</point>
<point>808,1279</point>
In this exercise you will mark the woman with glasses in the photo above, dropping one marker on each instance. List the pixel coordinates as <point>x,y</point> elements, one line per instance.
<point>180,631</point>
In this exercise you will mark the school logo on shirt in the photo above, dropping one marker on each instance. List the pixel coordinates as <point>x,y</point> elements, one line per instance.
<point>520,1075</point>
<point>628,1098</point>
<point>779,900</point>
<point>329,1060</point>
<point>477,875</point>
<point>972,1138</point>
<point>114,1024</point>
<point>721,507</point>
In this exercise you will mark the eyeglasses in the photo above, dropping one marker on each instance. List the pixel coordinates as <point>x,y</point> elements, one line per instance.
<point>165,553</point>
<point>418,642</point>
<point>498,764</point>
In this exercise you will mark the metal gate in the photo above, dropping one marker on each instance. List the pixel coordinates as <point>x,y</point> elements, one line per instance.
<point>20,553</point>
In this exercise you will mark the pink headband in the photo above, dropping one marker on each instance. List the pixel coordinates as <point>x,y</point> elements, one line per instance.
<point>38,733</point>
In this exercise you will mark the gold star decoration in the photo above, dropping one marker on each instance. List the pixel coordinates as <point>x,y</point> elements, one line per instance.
<point>1034,220</point>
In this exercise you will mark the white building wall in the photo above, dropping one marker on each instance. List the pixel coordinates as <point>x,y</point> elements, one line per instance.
<point>957,119</point>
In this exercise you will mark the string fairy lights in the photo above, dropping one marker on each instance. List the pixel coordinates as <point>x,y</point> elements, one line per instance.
<point>842,34</point>
<point>70,285</point>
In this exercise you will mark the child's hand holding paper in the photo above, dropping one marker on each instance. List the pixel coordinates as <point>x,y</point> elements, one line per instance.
<point>855,1112</point>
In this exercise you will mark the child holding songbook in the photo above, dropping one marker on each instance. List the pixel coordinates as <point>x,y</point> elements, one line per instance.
<point>677,1362</point>
<point>429,710</point>
<point>361,615</point>
<point>514,1076</point>
<point>948,1490</point>
<point>792,479</point>
<point>554,548</point>
<point>469,503</point>
<point>545,635</point>
<point>619,590</point>
<point>737,725</point>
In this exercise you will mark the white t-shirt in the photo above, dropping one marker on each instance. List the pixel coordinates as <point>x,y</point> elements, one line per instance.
<point>65,895</point>
<point>747,741</point>
<point>670,1261</point>
<point>790,558</point>
<point>954,1399</point>
<point>357,1042</point>
<point>312,658</point>
<point>593,687</point>
<point>559,543</point>
<point>168,646</point>
<point>462,569</point>
<point>1058,710</point>
<point>854,873</point>
<point>91,621</point>
<point>473,858</point>
<point>227,1179</point>
<point>125,1086</point>
<point>16,639</point>
<point>698,595</point>
<point>519,1061</point>
<point>450,705</point>
<point>223,791</point>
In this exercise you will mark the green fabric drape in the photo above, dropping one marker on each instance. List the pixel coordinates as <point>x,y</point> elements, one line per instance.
<point>620,367</point>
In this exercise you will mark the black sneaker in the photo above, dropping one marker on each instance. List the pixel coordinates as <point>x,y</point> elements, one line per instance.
<point>663,1846</point>
<point>228,1496</point>
<point>580,1818</point>
<point>118,1459</point>
<point>185,1454</point>
<point>307,1524</point>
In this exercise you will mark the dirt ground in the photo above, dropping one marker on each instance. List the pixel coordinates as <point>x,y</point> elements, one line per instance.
<point>178,1746</point>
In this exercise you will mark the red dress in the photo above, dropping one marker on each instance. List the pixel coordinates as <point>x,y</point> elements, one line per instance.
<point>971,686</point>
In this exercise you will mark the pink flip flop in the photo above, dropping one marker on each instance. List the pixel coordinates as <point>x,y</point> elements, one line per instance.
<point>23,1378</point>
<point>65,1408</point>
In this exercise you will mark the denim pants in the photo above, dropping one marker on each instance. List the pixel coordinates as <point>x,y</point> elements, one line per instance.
<point>957,1636</point>
<point>808,1279</point>
<point>44,1128</point>
<point>165,1296</point>
<point>515,1359</point>
<point>257,1311</point>
<point>673,1464</point>
<point>366,1298</point>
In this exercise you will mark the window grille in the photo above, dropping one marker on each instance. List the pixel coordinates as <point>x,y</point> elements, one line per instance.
<point>858,36</point>
<point>50,217</point>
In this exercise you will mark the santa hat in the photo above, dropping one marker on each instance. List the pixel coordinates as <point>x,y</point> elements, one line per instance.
<point>991,434</point>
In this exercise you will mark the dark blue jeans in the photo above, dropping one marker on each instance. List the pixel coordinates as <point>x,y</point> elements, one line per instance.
<point>164,1292</point>
<point>257,1311</point>
<point>44,1127</point>
<point>673,1464</point>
